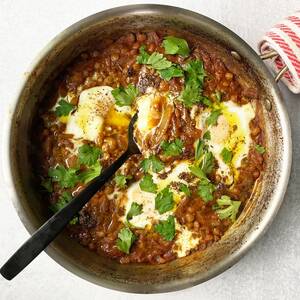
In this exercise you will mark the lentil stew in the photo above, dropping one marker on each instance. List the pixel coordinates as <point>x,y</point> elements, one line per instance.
<point>200,131</point>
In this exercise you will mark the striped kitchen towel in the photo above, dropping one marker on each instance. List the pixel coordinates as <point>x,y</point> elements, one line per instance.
<point>284,38</point>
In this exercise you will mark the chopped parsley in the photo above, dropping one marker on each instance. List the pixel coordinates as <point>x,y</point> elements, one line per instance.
<point>231,208</point>
<point>194,80</point>
<point>62,201</point>
<point>206,189</point>
<point>197,171</point>
<point>125,240</point>
<point>175,45</point>
<point>260,149</point>
<point>173,148</point>
<point>218,96</point>
<point>166,228</point>
<point>135,210</point>
<point>66,178</point>
<point>63,108</point>
<point>206,135</point>
<point>226,155</point>
<point>147,184</point>
<point>164,200</point>
<point>152,162</point>
<point>121,180</point>
<point>207,162</point>
<point>89,174</point>
<point>199,149</point>
<point>185,189</point>
<point>169,73</point>
<point>88,155</point>
<point>125,96</point>
<point>156,60</point>
<point>213,117</point>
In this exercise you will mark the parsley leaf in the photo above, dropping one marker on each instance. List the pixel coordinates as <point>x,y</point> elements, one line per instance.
<point>193,83</point>
<point>152,162</point>
<point>74,221</point>
<point>175,45</point>
<point>125,96</point>
<point>135,210</point>
<point>166,228</point>
<point>226,155</point>
<point>213,117</point>
<point>207,162</point>
<point>206,135</point>
<point>62,201</point>
<point>63,108</point>
<point>89,174</point>
<point>121,180</point>
<point>66,178</point>
<point>158,61</point>
<point>173,71</point>
<point>173,148</point>
<point>147,184</point>
<point>88,155</point>
<point>125,239</point>
<point>230,211</point>
<point>205,190</point>
<point>260,149</point>
<point>143,57</point>
<point>185,189</point>
<point>47,185</point>
<point>218,96</point>
<point>164,200</point>
<point>199,149</point>
<point>197,171</point>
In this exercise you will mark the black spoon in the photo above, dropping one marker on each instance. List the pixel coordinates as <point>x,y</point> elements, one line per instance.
<point>49,230</point>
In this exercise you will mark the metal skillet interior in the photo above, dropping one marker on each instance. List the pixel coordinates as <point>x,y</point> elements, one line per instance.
<point>256,216</point>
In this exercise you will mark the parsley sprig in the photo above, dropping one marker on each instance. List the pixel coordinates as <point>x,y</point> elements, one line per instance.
<point>67,178</point>
<point>175,45</point>
<point>152,162</point>
<point>227,208</point>
<point>121,180</point>
<point>172,148</point>
<point>63,108</point>
<point>88,155</point>
<point>166,228</point>
<point>194,80</point>
<point>125,240</point>
<point>166,69</point>
<point>156,60</point>
<point>147,184</point>
<point>260,149</point>
<point>135,210</point>
<point>62,201</point>
<point>125,96</point>
<point>213,117</point>
<point>226,155</point>
<point>164,200</point>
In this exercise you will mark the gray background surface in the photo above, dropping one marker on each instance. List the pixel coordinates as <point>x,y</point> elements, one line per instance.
<point>271,270</point>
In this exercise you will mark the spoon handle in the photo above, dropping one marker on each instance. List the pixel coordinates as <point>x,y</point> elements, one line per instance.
<point>49,230</point>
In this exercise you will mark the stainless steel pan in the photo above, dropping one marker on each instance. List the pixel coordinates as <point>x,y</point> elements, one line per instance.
<point>200,266</point>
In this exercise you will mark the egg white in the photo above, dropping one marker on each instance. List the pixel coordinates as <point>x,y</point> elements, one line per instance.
<point>184,241</point>
<point>232,131</point>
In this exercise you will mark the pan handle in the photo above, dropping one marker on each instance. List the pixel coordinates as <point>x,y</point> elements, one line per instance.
<point>281,46</point>
<point>274,54</point>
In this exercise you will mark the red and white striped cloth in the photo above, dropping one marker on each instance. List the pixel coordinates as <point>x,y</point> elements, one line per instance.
<point>284,38</point>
